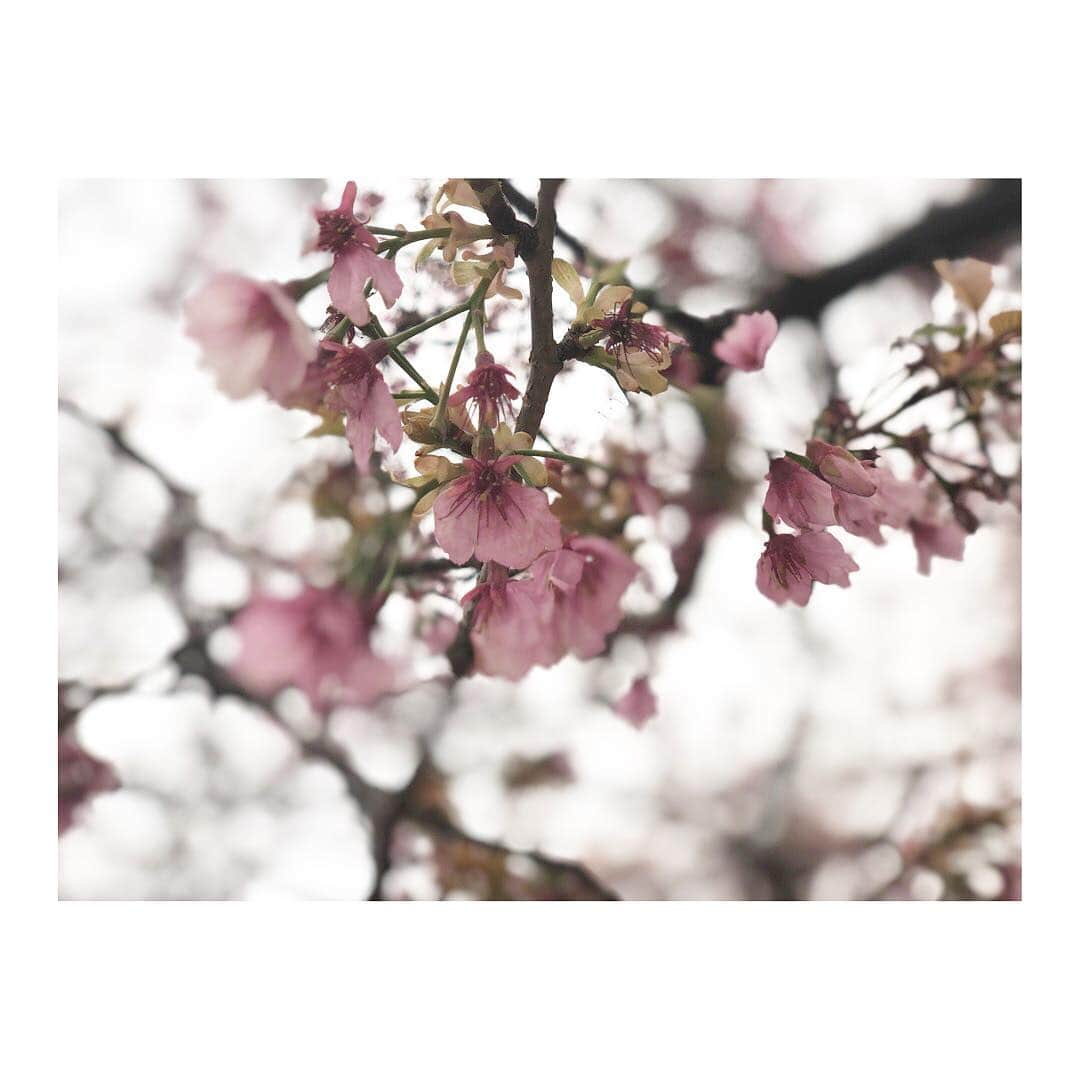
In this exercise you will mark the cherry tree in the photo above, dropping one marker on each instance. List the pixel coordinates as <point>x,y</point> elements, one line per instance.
<point>510,548</point>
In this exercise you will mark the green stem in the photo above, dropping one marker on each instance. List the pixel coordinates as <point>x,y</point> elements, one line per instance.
<point>339,331</point>
<point>585,463</point>
<point>399,240</point>
<point>475,314</point>
<point>413,331</point>
<point>438,423</point>
<point>300,287</point>
<point>374,330</point>
<point>478,327</point>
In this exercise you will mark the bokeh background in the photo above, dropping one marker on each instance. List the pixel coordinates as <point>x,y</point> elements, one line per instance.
<point>865,747</point>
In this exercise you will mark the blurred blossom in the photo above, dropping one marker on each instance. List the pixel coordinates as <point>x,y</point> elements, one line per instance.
<point>316,641</point>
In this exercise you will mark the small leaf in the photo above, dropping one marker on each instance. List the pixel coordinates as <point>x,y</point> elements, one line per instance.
<point>426,252</point>
<point>533,470</point>
<point>1005,324</point>
<point>425,503</point>
<point>971,280</point>
<point>465,273</point>
<point>566,277</point>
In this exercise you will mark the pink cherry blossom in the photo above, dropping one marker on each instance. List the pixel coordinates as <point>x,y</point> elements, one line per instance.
<point>80,777</point>
<point>251,336</point>
<point>745,343</point>
<point>901,500</point>
<point>626,334</point>
<point>356,263</point>
<point>944,540</point>
<point>841,468</point>
<point>357,387</point>
<point>860,515</point>
<point>796,496</point>
<point>489,389</point>
<point>490,515</point>
<point>584,582</point>
<point>316,641</point>
<point>638,704</point>
<point>789,566</point>
<point>894,503</point>
<point>509,630</point>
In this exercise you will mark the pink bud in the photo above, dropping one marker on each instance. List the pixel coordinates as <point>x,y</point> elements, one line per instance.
<point>841,468</point>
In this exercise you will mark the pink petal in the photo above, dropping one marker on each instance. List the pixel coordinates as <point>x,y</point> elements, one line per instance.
<point>797,497</point>
<point>516,525</point>
<point>826,558</point>
<point>456,529</point>
<point>638,704</point>
<point>747,340</point>
<point>346,285</point>
<point>796,589</point>
<point>384,409</point>
<point>507,633</point>
<point>381,271</point>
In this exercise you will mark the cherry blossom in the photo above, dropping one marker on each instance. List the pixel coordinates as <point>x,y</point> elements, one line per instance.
<point>316,641</point>
<point>356,262</point>
<point>251,336</point>
<point>841,468</point>
<point>946,540</point>
<point>745,343</point>
<point>488,514</point>
<point>638,704</point>
<point>357,387</point>
<point>796,496</point>
<point>509,631</point>
<point>489,390</point>
<point>789,566</point>
<point>584,582</point>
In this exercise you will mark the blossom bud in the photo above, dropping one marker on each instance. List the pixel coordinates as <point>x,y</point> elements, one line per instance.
<point>840,468</point>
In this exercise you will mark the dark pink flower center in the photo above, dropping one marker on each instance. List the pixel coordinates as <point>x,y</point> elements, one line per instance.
<point>786,561</point>
<point>625,334</point>
<point>337,230</point>
<point>351,363</point>
<point>487,483</point>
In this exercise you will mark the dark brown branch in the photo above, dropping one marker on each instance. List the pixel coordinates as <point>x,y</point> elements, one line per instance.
<point>964,228</point>
<point>521,202</point>
<point>943,232</point>
<point>544,362</point>
<point>502,216</point>
<point>385,809</point>
<point>441,826</point>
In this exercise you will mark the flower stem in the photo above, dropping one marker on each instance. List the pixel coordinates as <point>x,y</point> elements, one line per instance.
<point>438,423</point>
<point>374,330</point>
<point>300,287</point>
<point>458,309</point>
<point>399,240</point>
<point>475,314</point>
<point>339,331</point>
<point>585,463</point>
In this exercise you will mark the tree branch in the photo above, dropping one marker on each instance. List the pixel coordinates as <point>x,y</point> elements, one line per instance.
<point>502,216</point>
<point>964,228</point>
<point>385,809</point>
<point>545,362</point>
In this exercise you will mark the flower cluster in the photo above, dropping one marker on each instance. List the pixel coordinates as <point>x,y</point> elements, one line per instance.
<point>837,482</point>
<point>566,603</point>
<point>529,545</point>
<point>317,641</point>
